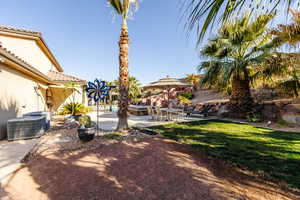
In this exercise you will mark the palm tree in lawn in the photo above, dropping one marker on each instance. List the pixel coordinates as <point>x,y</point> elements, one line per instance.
<point>123,8</point>
<point>239,47</point>
<point>202,14</point>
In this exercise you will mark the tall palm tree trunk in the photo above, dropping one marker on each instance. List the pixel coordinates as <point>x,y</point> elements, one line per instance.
<point>123,78</point>
<point>241,100</point>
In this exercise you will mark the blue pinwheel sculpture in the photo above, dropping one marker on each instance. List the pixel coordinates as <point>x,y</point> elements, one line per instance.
<point>97,90</point>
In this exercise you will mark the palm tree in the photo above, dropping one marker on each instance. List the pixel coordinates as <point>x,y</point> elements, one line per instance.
<point>201,14</point>
<point>239,47</point>
<point>123,8</point>
<point>289,33</point>
<point>193,79</point>
<point>134,88</point>
<point>283,69</point>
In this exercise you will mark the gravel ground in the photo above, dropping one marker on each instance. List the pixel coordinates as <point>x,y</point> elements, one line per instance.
<point>134,166</point>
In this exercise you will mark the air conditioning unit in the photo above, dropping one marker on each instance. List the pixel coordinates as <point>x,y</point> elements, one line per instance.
<point>25,127</point>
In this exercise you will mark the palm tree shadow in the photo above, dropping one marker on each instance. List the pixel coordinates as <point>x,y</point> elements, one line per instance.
<point>243,152</point>
<point>149,169</point>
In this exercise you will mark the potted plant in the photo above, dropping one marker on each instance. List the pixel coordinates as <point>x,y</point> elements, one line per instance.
<point>86,130</point>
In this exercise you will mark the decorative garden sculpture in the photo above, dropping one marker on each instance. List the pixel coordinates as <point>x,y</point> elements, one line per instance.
<point>97,91</point>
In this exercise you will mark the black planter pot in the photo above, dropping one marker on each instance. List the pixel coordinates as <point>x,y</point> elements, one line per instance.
<point>86,134</point>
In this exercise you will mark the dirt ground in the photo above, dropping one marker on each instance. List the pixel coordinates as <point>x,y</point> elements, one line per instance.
<point>148,169</point>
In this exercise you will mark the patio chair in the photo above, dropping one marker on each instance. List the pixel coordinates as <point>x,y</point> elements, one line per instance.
<point>151,112</point>
<point>203,113</point>
<point>159,114</point>
<point>171,115</point>
<point>181,115</point>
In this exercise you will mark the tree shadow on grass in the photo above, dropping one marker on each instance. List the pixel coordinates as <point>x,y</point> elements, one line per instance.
<point>274,154</point>
<point>149,169</point>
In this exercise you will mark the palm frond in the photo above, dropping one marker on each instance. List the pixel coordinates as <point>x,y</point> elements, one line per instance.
<point>289,33</point>
<point>215,73</point>
<point>217,48</point>
<point>234,52</point>
<point>123,7</point>
<point>210,11</point>
<point>117,5</point>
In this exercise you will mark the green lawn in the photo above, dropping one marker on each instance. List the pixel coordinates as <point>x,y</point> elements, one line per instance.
<point>274,153</point>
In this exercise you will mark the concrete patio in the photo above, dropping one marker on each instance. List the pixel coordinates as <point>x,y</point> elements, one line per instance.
<point>109,120</point>
<point>12,153</point>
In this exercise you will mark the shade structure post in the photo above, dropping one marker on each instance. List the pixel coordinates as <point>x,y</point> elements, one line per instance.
<point>168,102</point>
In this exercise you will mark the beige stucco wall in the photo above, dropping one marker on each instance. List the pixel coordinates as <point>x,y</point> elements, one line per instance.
<point>29,51</point>
<point>17,95</point>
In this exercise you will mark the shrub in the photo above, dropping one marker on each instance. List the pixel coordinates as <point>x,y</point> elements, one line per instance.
<point>73,109</point>
<point>113,136</point>
<point>187,95</point>
<point>85,121</point>
<point>282,123</point>
<point>255,117</point>
<point>183,99</point>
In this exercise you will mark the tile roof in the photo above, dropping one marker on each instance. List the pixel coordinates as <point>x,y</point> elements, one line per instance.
<point>36,36</point>
<point>7,53</point>
<point>19,30</point>
<point>168,82</point>
<point>54,76</point>
<point>61,77</point>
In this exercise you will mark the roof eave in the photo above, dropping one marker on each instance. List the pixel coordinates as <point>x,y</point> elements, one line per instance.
<point>22,67</point>
<point>49,53</point>
<point>65,82</point>
<point>38,38</point>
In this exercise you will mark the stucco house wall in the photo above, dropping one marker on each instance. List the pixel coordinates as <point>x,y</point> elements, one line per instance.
<point>29,51</point>
<point>31,79</point>
<point>18,95</point>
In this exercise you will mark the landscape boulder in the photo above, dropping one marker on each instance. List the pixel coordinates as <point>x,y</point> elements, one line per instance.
<point>270,112</point>
<point>296,100</point>
<point>291,118</point>
<point>223,111</point>
<point>291,114</point>
<point>292,108</point>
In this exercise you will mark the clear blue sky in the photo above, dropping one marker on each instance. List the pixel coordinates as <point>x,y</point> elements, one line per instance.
<point>83,35</point>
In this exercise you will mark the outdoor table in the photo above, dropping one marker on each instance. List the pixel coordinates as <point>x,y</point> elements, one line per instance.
<point>138,110</point>
<point>171,111</point>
